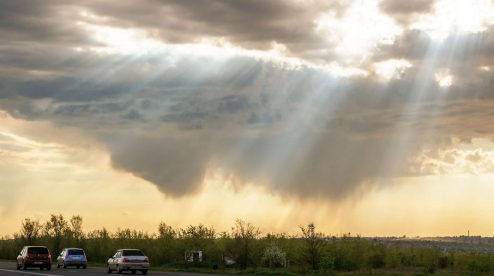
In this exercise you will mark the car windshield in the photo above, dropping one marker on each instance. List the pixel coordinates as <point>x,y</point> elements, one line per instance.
<point>37,250</point>
<point>133,253</point>
<point>76,252</point>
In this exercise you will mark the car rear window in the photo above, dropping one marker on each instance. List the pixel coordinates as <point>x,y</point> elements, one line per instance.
<point>37,250</point>
<point>133,253</point>
<point>76,252</point>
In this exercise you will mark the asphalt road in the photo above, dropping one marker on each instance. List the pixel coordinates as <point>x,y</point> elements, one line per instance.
<point>8,269</point>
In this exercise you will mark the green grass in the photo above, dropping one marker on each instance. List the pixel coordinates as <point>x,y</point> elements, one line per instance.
<point>266,273</point>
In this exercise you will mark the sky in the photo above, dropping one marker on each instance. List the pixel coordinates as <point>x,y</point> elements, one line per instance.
<point>371,117</point>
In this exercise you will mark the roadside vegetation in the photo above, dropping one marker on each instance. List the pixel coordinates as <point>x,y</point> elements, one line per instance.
<point>245,251</point>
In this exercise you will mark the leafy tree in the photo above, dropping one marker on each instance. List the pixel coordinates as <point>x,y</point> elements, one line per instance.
<point>443,262</point>
<point>30,231</point>
<point>166,239</point>
<point>55,228</point>
<point>76,226</point>
<point>274,255</point>
<point>375,257</point>
<point>244,235</point>
<point>327,266</point>
<point>288,244</point>
<point>99,245</point>
<point>314,244</point>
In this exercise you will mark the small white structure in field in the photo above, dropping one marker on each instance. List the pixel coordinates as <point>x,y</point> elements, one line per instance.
<point>193,255</point>
<point>227,260</point>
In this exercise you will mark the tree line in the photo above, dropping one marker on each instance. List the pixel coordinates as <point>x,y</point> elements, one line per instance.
<point>243,247</point>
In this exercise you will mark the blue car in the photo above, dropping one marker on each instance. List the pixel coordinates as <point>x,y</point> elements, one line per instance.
<point>72,257</point>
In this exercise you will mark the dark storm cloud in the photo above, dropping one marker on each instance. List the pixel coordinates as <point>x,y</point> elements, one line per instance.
<point>252,24</point>
<point>176,166</point>
<point>70,90</point>
<point>249,24</point>
<point>362,143</point>
<point>38,21</point>
<point>299,131</point>
<point>330,165</point>
<point>84,109</point>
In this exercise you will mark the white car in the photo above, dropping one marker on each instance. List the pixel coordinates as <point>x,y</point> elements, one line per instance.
<point>128,260</point>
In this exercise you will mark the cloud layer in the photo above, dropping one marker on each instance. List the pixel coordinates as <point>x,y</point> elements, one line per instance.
<point>304,98</point>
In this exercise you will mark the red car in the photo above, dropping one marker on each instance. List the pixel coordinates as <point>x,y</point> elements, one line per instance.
<point>34,256</point>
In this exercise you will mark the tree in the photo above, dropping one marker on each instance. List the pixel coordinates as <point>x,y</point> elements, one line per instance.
<point>326,266</point>
<point>374,256</point>
<point>244,235</point>
<point>166,236</point>
<point>55,228</point>
<point>99,244</point>
<point>30,231</point>
<point>166,231</point>
<point>288,244</point>
<point>76,228</point>
<point>314,244</point>
<point>274,255</point>
<point>195,238</point>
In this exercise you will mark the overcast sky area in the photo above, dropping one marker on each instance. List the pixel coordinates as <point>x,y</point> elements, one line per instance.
<point>370,117</point>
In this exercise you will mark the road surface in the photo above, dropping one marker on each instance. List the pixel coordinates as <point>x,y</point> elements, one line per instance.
<point>8,269</point>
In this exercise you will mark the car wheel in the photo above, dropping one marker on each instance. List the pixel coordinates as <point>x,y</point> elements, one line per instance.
<point>64,265</point>
<point>108,270</point>
<point>118,270</point>
<point>145,272</point>
<point>133,271</point>
<point>84,267</point>
<point>78,267</point>
<point>24,266</point>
